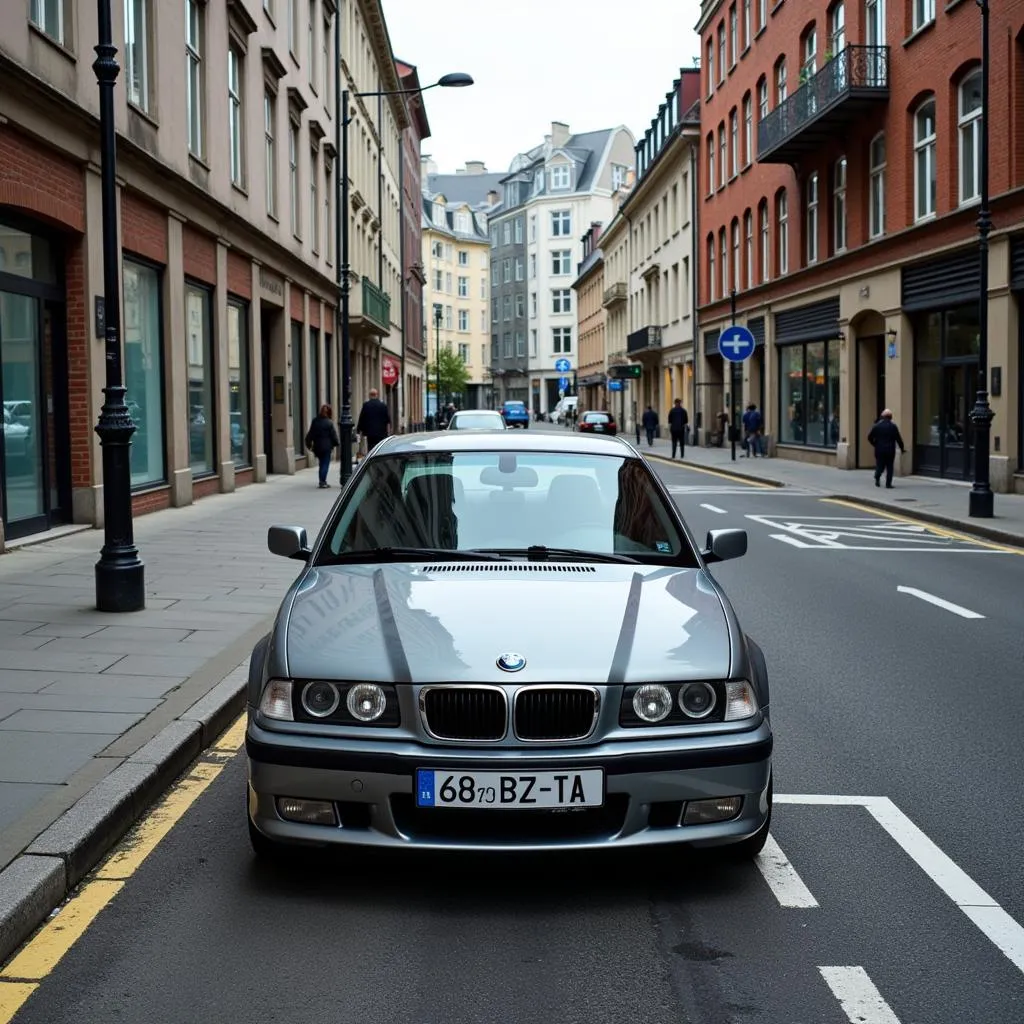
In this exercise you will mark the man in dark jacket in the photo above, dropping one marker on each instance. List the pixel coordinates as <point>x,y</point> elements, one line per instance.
<point>752,424</point>
<point>650,422</point>
<point>885,438</point>
<point>374,421</point>
<point>321,440</point>
<point>677,421</point>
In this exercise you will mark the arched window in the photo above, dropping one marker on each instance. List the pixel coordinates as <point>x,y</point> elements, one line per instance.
<point>748,245</point>
<point>723,246</point>
<point>781,88</point>
<point>748,130</point>
<point>762,99</point>
<point>723,155</point>
<point>735,254</point>
<point>876,186</point>
<point>734,143</point>
<point>782,227</point>
<point>711,162</point>
<point>766,251</point>
<point>812,218</point>
<point>837,30</point>
<point>969,127</point>
<point>925,179</point>
<point>839,205</point>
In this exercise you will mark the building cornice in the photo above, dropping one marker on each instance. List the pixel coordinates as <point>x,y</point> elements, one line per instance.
<point>380,41</point>
<point>708,10</point>
<point>685,136</point>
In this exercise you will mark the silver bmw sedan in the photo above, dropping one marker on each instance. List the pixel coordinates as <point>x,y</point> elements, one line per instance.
<point>507,646</point>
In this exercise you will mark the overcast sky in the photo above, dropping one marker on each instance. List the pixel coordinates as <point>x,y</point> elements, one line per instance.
<point>590,63</point>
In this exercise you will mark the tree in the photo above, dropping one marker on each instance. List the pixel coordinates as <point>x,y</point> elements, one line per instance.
<point>454,375</point>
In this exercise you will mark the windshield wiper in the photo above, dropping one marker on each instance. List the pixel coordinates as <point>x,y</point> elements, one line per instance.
<point>540,553</point>
<point>388,554</point>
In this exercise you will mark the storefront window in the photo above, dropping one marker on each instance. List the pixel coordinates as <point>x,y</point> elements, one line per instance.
<point>963,334</point>
<point>313,401</point>
<point>809,394</point>
<point>201,428</point>
<point>143,372</point>
<point>238,382</point>
<point>295,398</point>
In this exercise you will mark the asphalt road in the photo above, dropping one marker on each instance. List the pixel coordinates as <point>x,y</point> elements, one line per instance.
<point>877,693</point>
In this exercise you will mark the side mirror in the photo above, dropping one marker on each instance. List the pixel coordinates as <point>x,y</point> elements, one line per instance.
<point>723,545</point>
<point>288,542</point>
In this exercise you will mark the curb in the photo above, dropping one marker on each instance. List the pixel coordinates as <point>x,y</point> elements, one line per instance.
<point>40,879</point>
<point>736,474</point>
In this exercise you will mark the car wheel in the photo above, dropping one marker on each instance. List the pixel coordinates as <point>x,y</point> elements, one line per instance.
<point>749,848</point>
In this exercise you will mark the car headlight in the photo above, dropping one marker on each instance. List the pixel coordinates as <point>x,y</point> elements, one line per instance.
<point>689,703</point>
<point>329,702</point>
<point>320,699</point>
<point>366,702</point>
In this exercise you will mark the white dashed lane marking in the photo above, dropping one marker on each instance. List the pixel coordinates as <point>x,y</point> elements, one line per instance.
<point>857,995</point>
<point>782,878</point>
<point>715,508</point>
<point>956,609</point>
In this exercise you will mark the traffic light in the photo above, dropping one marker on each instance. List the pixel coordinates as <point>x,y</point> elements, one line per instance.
<point>625,371</point>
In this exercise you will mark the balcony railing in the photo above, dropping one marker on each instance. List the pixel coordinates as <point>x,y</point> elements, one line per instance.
<point>614,294</point>
<point>645,338</point>
<point>854,79</point>
<point>376,307</point>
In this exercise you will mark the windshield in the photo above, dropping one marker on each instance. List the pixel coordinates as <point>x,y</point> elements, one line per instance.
<point>477,421</point>
<point>462,501</point>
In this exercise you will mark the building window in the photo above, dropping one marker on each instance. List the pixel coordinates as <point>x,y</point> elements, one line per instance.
<point>533,265</point>
<point>200,380</point>
<point>711,66</point>
<point>734,142</point>
<point>712,278</point>
<point>969,124</point>
<point>463,287</point>
<point>48,16</point>
<point>561,262</point>
<point>533,305</point>
<point>721,51</point>
<point>762,13</point>
<point>723,247</point>
<point>766,252</point>
<point>293,30</point>
<point>448,281</point>
<point>780,82</point>
<point>136,55</point>
<point>270,149</point>
<point>723,156</point>
<point>463,352</point>
<point>561,300</point>
<point>328,209</point>
<point>562,339</point>
<point>619,175</point>
<point>735,280</point>
<point>748,245</point>
<point>520,306</point>
<point>711,162</point>
<point>748,130</point>
<point>520,268</point>
<point>463,319</point>
<point>518,229</point>
<point>560,177</point>
<point>194,76</point>
<point>561,223</point>
<point>293,174</point>
<point>733,32</point>
<point>809,393</point>
<point>449,319</point>
<point>839,205</point>
<point>494,311</point>
<point>238,382</point>
<point>235,117</point>
<point>812,218</point>
<point>924,160</point>
<point>438,280</point>
<point>506,308</point>
<point>924,12</point>
<point>746,23</point>
<point>506,233</point>
<point>463,258</point>
<point>314,199</point>
<point>311,45</point>
<point>838,25</point>
<point>506,270</point>
<point>144,372</point>
<point>297,356</point>
<point>782,213</point>
<point>762,99</point>
<point>506,344</point>
<point>810,64</point>
<point>876,226</point>
<point>325,60</point>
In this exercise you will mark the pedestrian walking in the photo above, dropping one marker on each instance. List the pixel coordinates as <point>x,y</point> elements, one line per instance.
<point>753,424</point>
<point>678,419</point>
<point>885,438</point>
<point>650,422</point>
<point>322,439</point>
<point>374,421</point>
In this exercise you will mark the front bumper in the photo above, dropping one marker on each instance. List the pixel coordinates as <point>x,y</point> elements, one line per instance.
<point>372,787</point>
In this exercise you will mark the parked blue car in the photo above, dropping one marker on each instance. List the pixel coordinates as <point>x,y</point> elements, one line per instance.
<point>515,414</point>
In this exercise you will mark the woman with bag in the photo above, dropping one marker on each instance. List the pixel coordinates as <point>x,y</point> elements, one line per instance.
<point>322,439</point>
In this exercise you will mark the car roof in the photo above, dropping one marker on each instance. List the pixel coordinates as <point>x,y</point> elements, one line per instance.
<point>525,441</point>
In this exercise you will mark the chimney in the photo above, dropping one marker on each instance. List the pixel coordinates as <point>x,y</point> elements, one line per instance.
<point>492,197</point>
<point>427,165</point>
<point>475,167</point>
<point>559,134</point>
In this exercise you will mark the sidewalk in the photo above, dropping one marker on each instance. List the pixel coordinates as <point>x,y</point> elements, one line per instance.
<point>110,708</point>
<point>943,502</point>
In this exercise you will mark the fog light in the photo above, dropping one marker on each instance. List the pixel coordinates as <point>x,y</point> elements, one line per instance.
<point>306,812</point>
<point>366,702</point>
<point>704,812</point>
<point>320,699</point>
<point>277,700</point>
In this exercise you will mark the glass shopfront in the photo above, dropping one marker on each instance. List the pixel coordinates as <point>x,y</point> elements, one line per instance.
<point>946,349</point>
<point>238,383</point>
<point>201,419</point>
<point>809,411</point>
<point>144,372</point>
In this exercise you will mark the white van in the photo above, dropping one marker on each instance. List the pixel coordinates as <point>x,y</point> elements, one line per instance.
<point>559,413</point>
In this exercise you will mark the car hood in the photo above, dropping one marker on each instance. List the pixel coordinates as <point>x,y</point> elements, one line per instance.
<point>451,622</point>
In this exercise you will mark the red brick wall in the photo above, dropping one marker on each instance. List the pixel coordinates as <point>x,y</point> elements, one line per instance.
<point>243,477</point>
<point>204,488</point>
<point>143,227</point>
<point>314,312</point>
<point>38,180</point>
<point>239,275</point>
<point>151,501</point>
<point>328,320</point>
<point>200,256</point>
<point>935,60</point>
<point>79,331</point>
<point>297,310</point>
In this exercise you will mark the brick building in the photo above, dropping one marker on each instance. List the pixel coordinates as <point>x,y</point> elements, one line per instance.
<point>839,194</point>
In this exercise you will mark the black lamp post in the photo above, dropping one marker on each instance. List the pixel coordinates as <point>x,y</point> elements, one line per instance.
<point>437,366</point>
<point>341,97</point>
<point>120,574</point>
<point>981,500</point>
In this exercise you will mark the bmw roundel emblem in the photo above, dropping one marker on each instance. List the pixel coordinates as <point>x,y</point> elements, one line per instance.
<point>511,662</point>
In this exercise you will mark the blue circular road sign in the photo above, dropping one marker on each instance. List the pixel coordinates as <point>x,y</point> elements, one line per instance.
<point>563,365</point>
<point>736,344</point>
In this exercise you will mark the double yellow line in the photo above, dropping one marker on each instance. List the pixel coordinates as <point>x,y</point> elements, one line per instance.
<point>37,958</point>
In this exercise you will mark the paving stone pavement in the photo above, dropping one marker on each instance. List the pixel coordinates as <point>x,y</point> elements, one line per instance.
<point>83,690</point>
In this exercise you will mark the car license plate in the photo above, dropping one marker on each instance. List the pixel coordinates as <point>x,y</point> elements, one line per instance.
<point>599,427</point>
<point>510,790</point>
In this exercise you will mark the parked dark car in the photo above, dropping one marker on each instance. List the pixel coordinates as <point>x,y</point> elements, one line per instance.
<point>597,422</point>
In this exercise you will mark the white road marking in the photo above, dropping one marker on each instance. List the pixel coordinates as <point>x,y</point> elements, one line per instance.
<point>956,609</point>
<point>785,492</point>
<point>715,508</point>
<point>790,540</point>
<point>782,878</point>
<point>857,995</point>
<point>1005,933</point>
